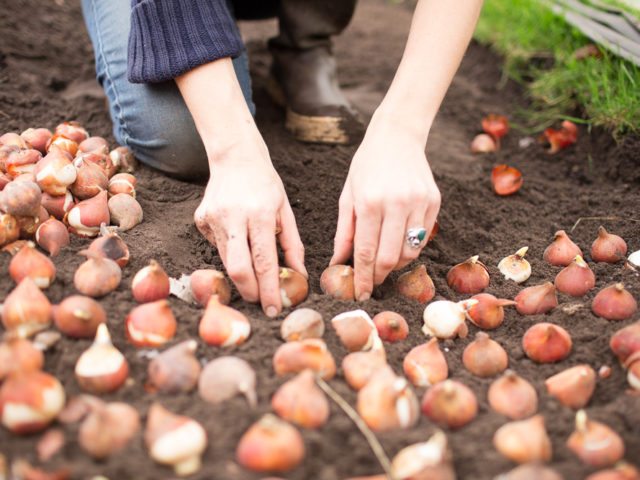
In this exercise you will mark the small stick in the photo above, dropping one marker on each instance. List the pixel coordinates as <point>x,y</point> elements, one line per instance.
<point>601,218</point>
<point>366,431</point>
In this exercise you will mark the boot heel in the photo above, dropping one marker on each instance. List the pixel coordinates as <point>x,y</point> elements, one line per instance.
<point>316,129</point>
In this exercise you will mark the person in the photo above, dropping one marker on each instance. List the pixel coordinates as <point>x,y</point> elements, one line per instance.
<point>176,76</point>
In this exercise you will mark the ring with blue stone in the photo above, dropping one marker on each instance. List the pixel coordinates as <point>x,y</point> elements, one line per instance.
<point>415,237</point>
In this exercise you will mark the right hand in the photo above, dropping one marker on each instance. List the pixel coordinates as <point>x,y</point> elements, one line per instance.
<point>243,204</point>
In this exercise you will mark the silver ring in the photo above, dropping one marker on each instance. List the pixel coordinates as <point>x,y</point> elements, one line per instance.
<point>415,236</point>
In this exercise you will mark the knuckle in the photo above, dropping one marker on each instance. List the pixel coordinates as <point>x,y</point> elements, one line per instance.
<point>238,272</point>
<point>436,198</point>
<point>263,264</point>
<point>385,264</point>
<point>366,255</point>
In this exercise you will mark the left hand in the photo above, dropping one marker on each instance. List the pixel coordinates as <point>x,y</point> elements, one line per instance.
<point>389,189</point>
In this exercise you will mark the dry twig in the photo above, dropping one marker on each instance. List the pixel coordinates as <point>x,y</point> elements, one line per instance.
<point>609,219</point>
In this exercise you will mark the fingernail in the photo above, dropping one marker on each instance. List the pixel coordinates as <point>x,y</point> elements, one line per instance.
<point>364,297</point>
<point>272,311</point>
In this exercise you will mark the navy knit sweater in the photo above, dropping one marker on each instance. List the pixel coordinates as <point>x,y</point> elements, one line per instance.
<point>171,37</point>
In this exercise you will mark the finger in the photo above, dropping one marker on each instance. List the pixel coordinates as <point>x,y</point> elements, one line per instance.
<point>290,242</point>
<point>239,264</point>
<point>431,217</point>
<point>265,262</point>
<point>390,246</point>
<point>343,242</point>
<point>366,240</point>
<point>415,220</point>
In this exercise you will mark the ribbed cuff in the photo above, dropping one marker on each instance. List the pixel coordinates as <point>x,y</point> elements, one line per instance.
<point>171,37</point>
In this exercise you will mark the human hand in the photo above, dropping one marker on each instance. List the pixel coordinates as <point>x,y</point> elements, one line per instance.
<point>389,189</point>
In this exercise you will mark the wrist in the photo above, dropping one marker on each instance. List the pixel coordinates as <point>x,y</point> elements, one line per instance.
<point>395,117</point>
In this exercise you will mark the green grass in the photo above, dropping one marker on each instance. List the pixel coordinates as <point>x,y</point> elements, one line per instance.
<point>538,48</point>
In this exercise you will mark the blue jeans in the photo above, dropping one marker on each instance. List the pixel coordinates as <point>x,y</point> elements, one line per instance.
<point>151,119</point>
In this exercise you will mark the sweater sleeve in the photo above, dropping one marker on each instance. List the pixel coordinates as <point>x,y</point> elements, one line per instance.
<point>171,37</point>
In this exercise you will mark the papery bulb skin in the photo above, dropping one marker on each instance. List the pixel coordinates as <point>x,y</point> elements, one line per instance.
<point>122,183</point>
<point>29,262</point>
<point>110,245</point>
<point>21,199</point>
<point>359,367</point>
<point>13,139</point>
<point>595,443</point>
<point>634,259</point>
<point>450,404</point>
<point>78,316</point>
<point>52,235</point>
<point>18,354</point>
<point>294,287</point>
<point>488,313</point>
<point>94,144</point>
<point>28,227</point>
<point>55,173</point>
<point>90,179</point>
<point>301,402</point>
<point>151,324</point>
<point>515,267</point>
<point>483,143</point>
<point>608,248</point>
<point>573,387</point>
<point>85,217</point>
<point>61,143</point>
<point>22,162</point>
<point>469,277</point>
<point>72,130</point>
<point>536,300</point>
<point>125,211</point>
<point>223,326</point>
<point>58,206</point>
<point>356,330</point>
<point>225,377</point>
<point>524,441</point>
<point>614,303</point>
<point>485,357</point>
<point>301,324</point>
<point>207,282</point>
<point>506,180</point>
<point>426,365</point>
<point>626,341</point>
<point>9,229</point>
<point>37,138</point>
<point>101,368</point>
<point>270,445</point>
<point>562,138</point>
<point>150,283</point>
<point>337,281</point>
<point>176,370</point>
<point>416,285</point>
<point>108,429</point>
<point>387,402</point>
<point>30,400</point>
<point>312,353</point>
<point>97,276</point>
<point>561,251</point>
<point>513,396</point>
<point>444,319</point>
<point>430,460</point>
<point>495,125</point>
<point>123,160</point>
<point>576,279</point>
<point>26,310</point>
<point>546,343</point>
<point>391,326</point>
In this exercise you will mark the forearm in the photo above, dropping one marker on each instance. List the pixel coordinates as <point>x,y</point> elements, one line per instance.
<point>440,33</point>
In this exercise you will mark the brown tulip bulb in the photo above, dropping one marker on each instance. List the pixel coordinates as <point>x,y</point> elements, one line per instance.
<point>37,138</point>
<point>485,357</point>
<point>537,300</point>
<point>470,276</point>
<point>176,370</point>
<point>301,402</point>
<point>430,460</point>
<point>21,199</point>
<point>391,326</point>
<point>483,143</point>
<point>90,179</point>
<point>573,387</point>
<point>29,262</point>
<point>208,282</point>
<point>301,324</point>
<point>125,211</point>
<point>561,251</point>
<point>223,326</point>
<point>450,403</point>
<point>151,324</point>
<point>576,279</point>
<point>225,377</point>
<point>524,441</point>
<point>151,283</point>
<point>312,353</point>
<point>594,443</point>
<point>488,313</point>
<point>416,285</point>
<point>359,367</point>
<point>512,396</point>
<point>608,247</point>
<point>18,354</point>
<point>614,303</point>
<point>28,227</point>
<point>55,173</point>
<point>122,183</point>
<point>9,229</point>
<point>59,142</point>
<point>546,343</point>
<point>85,218</point>
<point>294,287</point>
<point>110,245</point>
<point>621,471</point>
<point>26,310</point>
<point>426,365</point>
<point>356,330</point>
<point>52,235</point>
<point>58,206</point>
<point>337,281</point>
<point>531,471</point>
<point>97,276</point>
<point>13,139</point>
<point>626,341</point>
<point>79,317</point>
<point>122,159</point>
<point>72,130</point>
<point>22,162</point>
<point>94,144</point>
<point>515,267</point>
<point>108,429</point>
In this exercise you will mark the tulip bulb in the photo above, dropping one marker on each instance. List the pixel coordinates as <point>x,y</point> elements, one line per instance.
<point>561,251</point>
<point>506,180</point>
<point>546,343</point>
<point>28,227</point>
<point>356,330</point>
<point>337,281</point>
<point>85,218</point>
<point>359,367</point>
<point>22,162</point>
<point>108,429</point>
<point>621,471</point>
<point>12,138</point>
<point>524,441</point>
<point>450,403</point>
<point>488,313</point>
<point>391,326</point>
<point>176,370</point>
<point>560,139</point>
<point>223,326</point>
<point>536,300</point>
<point>614,303</point>
<point>495,125</point>
<point>72,130</point>
<point>270,445</point>
<point>416,285</point>
<point>301,324</point>
<point>573,387</point>
<point>485,357</point>
<point>625,342</point>
<point>30,400</point>
<point>58,206</point>
<point>634,258</point>
<point>125,211</point>
<point>61,143</point>
<point>101,368</point>
<point>470,276</point>
<point>18,355</point>
<point>26,309</point>
<point>483,143</point>
<point>79,317</point>
<point>9,229</point>
<point>175,440</point>
<point>21,199</point>
<point>294,357</point>
<point>512,396</point>
<point>52,235</point>
<point>110,245</point>
<point>55,173</point>
<point>425,460</point>
<point>515,267</point>
<point>387,402</point>
<point>608,247</point>
<point>97,276</point>
<point>122,159</point>
<point>151,283</point>
<point>576,279</point>
<point>225,377</point>
<point>90,180</point>
<point>37,138</point>
<point>207,282</point>
<point>594,443</point>
<point>151,324</point>
<point>50,443</point>
<point>301,402</point>
<point>530,471</point>
<point>29,262</point>
<point>122,183</point>
<point>445,319</point>
<point>426,365</point>
<point>633,375</point>
<point>293,287</point>
<point>94,144</point>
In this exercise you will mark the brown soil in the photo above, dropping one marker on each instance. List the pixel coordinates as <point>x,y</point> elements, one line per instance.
<point>46,76</point>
